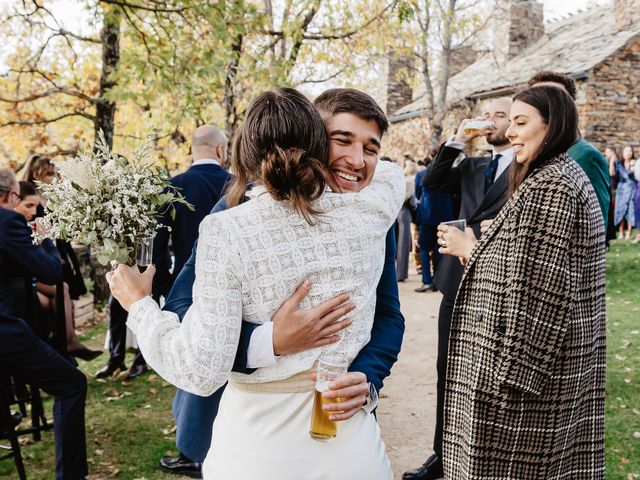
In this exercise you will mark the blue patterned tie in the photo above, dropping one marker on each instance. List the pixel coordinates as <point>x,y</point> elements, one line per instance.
<point>490,172</point>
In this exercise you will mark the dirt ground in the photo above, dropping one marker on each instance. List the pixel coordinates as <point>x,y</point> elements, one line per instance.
<point>408,400</point>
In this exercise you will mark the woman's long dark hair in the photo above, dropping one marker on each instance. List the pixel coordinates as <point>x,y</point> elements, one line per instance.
<point>284,144</point>
<point>559,112</point>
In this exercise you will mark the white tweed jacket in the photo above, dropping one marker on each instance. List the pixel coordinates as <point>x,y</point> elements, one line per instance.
<point>249,261</point>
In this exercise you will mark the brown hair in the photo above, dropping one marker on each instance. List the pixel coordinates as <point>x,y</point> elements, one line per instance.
<point>27,189</point>
<point>559,112</point>
<point>283,143</point>
<point>37,165</point>
<point>547,76</point>
<point>633,153</point>
<point>348,100</point>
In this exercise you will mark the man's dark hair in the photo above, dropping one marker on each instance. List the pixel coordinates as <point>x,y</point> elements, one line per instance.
<point>547,76</point>
<point>349,100</point>
<point>559,112</point>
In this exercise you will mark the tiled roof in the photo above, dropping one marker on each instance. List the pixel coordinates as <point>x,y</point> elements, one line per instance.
<point>573,45</point>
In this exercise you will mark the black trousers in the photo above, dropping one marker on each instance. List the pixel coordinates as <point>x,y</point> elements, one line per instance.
<point>444,327</point>
<point>118,335</point>
<point>35,362</point>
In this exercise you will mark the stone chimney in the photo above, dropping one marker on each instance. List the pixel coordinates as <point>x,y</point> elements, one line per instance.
<point>517,25</point>
<point>627,13</point>
<point>399,92</point>
<point>461,58</point>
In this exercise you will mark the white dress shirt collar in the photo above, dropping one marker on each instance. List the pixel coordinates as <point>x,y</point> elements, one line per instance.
<point>206,161</point>
<point>504,161</point>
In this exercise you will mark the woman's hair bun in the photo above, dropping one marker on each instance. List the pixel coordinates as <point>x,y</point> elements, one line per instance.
<point>292,175</point>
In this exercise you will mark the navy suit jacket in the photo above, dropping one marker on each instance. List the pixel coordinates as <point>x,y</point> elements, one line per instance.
<point>467,179</point>
<point>195,415</point>
<point>434,207</point>
<point>19,257</point>
<point>202,186</point>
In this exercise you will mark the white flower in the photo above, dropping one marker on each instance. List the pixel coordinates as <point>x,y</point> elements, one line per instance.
<point>107,202</point>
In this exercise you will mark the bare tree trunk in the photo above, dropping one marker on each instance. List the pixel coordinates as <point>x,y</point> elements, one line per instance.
<point>230,110</point>
<point>104,119</point>
<point>441,103</point>
<point>110,36</point>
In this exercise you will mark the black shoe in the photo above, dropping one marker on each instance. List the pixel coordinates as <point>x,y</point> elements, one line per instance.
<point>136,371</point>
<point>181,465</point>
<point>109,369</point>
<point>85,354</point>
<point>424,287</point>
<point>430,470</point>
<point>16,418</point>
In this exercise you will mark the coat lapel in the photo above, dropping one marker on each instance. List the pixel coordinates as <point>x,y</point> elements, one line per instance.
<point>498,189</point>
<point>509,209</point>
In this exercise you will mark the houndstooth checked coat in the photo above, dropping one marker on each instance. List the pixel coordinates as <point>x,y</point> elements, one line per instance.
<point>526,374</point>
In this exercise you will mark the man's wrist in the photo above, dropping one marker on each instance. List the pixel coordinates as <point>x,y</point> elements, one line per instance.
<point>371,399</point>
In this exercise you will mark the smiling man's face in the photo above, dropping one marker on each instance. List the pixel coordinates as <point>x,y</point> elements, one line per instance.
<point>354,146</point>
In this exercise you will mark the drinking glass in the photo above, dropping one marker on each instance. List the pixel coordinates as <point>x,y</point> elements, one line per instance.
<point>330,368</point>
<point>459,224</point>
<point>144,252</point>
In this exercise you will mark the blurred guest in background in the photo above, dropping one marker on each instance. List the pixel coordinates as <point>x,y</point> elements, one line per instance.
<point>433,208</point>
<point>404,223</point>
<point>25,356</point>
<point>625,207</point>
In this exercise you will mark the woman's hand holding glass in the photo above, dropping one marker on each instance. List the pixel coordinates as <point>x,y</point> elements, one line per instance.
<point>128,285</point>
<point>455,242</point>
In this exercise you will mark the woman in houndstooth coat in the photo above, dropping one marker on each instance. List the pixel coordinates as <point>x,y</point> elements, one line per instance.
<point>526,375</point>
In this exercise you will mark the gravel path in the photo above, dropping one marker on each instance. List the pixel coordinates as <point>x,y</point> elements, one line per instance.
<point>407,408</point>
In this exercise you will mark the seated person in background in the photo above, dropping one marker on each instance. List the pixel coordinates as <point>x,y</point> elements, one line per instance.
<point>22,354</point>
<point>27,207</point>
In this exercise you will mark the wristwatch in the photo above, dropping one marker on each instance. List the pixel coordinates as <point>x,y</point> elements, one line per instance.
<point>371,399</point>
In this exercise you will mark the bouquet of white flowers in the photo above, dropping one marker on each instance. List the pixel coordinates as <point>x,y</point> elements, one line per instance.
<point>108,202</point>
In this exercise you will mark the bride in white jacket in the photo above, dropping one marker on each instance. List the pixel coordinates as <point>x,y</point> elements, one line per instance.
<point>249,260</point>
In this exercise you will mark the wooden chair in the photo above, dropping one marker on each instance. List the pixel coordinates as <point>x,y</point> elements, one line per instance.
<point>8,427</point>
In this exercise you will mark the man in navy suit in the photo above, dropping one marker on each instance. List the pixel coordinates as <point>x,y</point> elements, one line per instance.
<point>202,186</point>
<point>355,124</point>
<point>433,209</point>
<point>25,356</point>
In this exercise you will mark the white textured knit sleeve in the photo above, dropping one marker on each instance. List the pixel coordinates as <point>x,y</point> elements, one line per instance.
<point>197,354</point>
<point>386,192</point>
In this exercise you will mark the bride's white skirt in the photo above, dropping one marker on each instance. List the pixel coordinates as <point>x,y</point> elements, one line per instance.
<point>266,436</point>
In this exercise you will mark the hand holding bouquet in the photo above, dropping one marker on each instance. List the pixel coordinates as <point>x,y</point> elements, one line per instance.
<point>108,202</point>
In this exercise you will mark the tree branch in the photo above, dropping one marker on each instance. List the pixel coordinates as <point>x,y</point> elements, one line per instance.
<point>125,4</point>
<point>44,121</point>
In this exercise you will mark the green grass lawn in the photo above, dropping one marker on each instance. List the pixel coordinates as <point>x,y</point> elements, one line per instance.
<point>623,362</point>
<point>129,424</point>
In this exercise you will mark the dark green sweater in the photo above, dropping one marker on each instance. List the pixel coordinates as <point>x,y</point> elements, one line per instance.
<point>595,166</point>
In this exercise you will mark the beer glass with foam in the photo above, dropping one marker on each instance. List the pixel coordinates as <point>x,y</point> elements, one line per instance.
<point>330,368</point>
<point>477,127</point>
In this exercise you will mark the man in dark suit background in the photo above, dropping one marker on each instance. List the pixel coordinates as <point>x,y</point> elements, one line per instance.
<point>355,124</point>
<point>482,183</point>
<point>202,186</point>
<point>25,356</point>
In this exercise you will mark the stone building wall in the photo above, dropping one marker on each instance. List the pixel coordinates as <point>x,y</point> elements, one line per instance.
<point>526,26</point>
<point>610,107</point>
<point>399,92</point>
<point>413,135</point>
<point>461,58</point>
<point>515,25</point>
